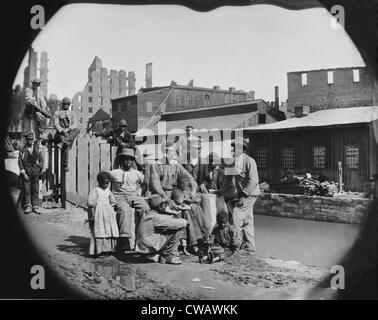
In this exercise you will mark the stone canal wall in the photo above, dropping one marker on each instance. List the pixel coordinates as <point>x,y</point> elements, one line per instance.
<point>313,207</point>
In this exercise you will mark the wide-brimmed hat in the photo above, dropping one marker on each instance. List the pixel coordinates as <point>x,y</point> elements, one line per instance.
<point>240,141</point>
<point>156,200</point>
<point>36,81</point>
<point>66,100</point>
<point>122,122</point>
<point>29,135</point>
<point>167,144</point>
<point>127,152</point>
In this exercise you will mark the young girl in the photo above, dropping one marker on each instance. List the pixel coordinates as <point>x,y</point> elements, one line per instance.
<point>102,217</point>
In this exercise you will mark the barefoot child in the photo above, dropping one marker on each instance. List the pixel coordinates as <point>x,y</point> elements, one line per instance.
<point>102,217</point>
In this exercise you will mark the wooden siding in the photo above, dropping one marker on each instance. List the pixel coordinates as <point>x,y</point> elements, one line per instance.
<point>334,139</point>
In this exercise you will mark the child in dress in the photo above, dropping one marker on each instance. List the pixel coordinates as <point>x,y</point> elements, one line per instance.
<point>102,217</point>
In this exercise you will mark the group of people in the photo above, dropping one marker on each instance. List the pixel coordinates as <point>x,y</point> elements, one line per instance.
<point>24,163</point>
<point>160,209</point>
<point>165,211</point>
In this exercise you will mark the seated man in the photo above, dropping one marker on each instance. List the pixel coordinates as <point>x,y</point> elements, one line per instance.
<point>127,187</point>
<point>122,137</point>
<point>158,233</point>
<point>36,106</point>
<point>65,123</point>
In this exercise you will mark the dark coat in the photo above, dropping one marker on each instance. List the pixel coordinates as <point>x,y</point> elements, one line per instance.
<point>31,162</point>
<point>127,140</point>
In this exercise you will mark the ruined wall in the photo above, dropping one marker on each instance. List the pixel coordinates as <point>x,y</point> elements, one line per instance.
<point>43,71</point>
<point>313,208</point>
<point>320,95</point>
<point>102,86</point>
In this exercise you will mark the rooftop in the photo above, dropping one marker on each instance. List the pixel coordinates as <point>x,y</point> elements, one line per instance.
<point>324,118</point>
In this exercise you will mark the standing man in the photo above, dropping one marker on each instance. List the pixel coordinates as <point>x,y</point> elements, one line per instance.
<point>65,123</point>
<point>31,168</point>
<point>244,181</point>
<point>185,145</point>
<point>35,105</point>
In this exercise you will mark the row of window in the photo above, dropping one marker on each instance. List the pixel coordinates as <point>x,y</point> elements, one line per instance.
<point>351,157</point>
<point>90,90</point>
<point>356,77</point>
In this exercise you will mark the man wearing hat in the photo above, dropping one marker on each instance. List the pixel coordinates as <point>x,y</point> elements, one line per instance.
<point>35,104</point>
<point>158,233</point>
<point>243,180</point>
<point>127,185</point>
<point>30,168</point>
<point>65,123</point>
<point>122,137</point>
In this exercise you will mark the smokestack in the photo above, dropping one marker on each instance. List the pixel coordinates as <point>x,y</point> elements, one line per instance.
<point>149,75</point>
<point>276,98</point>
<point>231,89</point>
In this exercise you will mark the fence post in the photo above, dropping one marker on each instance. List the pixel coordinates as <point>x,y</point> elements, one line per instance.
<point>62,183</point>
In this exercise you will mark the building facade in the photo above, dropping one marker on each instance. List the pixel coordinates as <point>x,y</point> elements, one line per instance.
<point>138,109</point>
<point>331,88</point>
<point>101,87</point>
<point>318,144</point>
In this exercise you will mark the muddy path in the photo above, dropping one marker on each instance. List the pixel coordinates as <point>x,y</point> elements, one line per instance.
<point>63,240</point>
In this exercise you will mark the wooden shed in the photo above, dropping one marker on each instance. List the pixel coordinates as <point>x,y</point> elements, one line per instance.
<point>316,143</point>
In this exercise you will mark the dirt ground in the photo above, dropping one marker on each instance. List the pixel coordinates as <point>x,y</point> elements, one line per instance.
<point>63,239</point>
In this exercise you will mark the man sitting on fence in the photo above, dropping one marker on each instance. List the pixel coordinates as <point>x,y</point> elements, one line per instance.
<point>65,123</point>
<point>35,106</point>
<point>122,137</point>
<point>127,184</point>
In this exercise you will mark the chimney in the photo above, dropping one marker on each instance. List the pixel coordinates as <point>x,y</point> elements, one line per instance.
<point>276,98</point>
<point>216,87</point>
<point>301,111</point>
<point>149,75</point>
<point>231,89</point>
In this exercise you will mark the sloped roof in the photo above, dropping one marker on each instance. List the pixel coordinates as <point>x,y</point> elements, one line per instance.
<point>221,122</point>
<point>324,118</point>
<point>99,115</point>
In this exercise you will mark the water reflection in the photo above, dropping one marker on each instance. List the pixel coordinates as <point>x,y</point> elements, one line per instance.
<point>124,274</point>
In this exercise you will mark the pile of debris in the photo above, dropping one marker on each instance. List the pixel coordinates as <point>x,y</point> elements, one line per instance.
<point>302,184</point>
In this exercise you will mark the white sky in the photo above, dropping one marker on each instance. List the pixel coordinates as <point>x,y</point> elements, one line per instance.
<point>249,48</point>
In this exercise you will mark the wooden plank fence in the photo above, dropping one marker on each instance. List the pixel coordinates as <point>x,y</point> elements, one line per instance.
<point>88,156</point>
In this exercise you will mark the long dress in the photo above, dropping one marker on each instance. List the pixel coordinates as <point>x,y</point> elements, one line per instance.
<point>104,229</point>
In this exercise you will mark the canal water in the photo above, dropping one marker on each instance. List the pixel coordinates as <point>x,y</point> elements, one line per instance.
<point>313,243</point>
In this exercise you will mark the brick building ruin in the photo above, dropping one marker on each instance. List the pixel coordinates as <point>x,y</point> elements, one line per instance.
<point>101,87</point>
<point>330,88</point>
<point>31,71</point>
